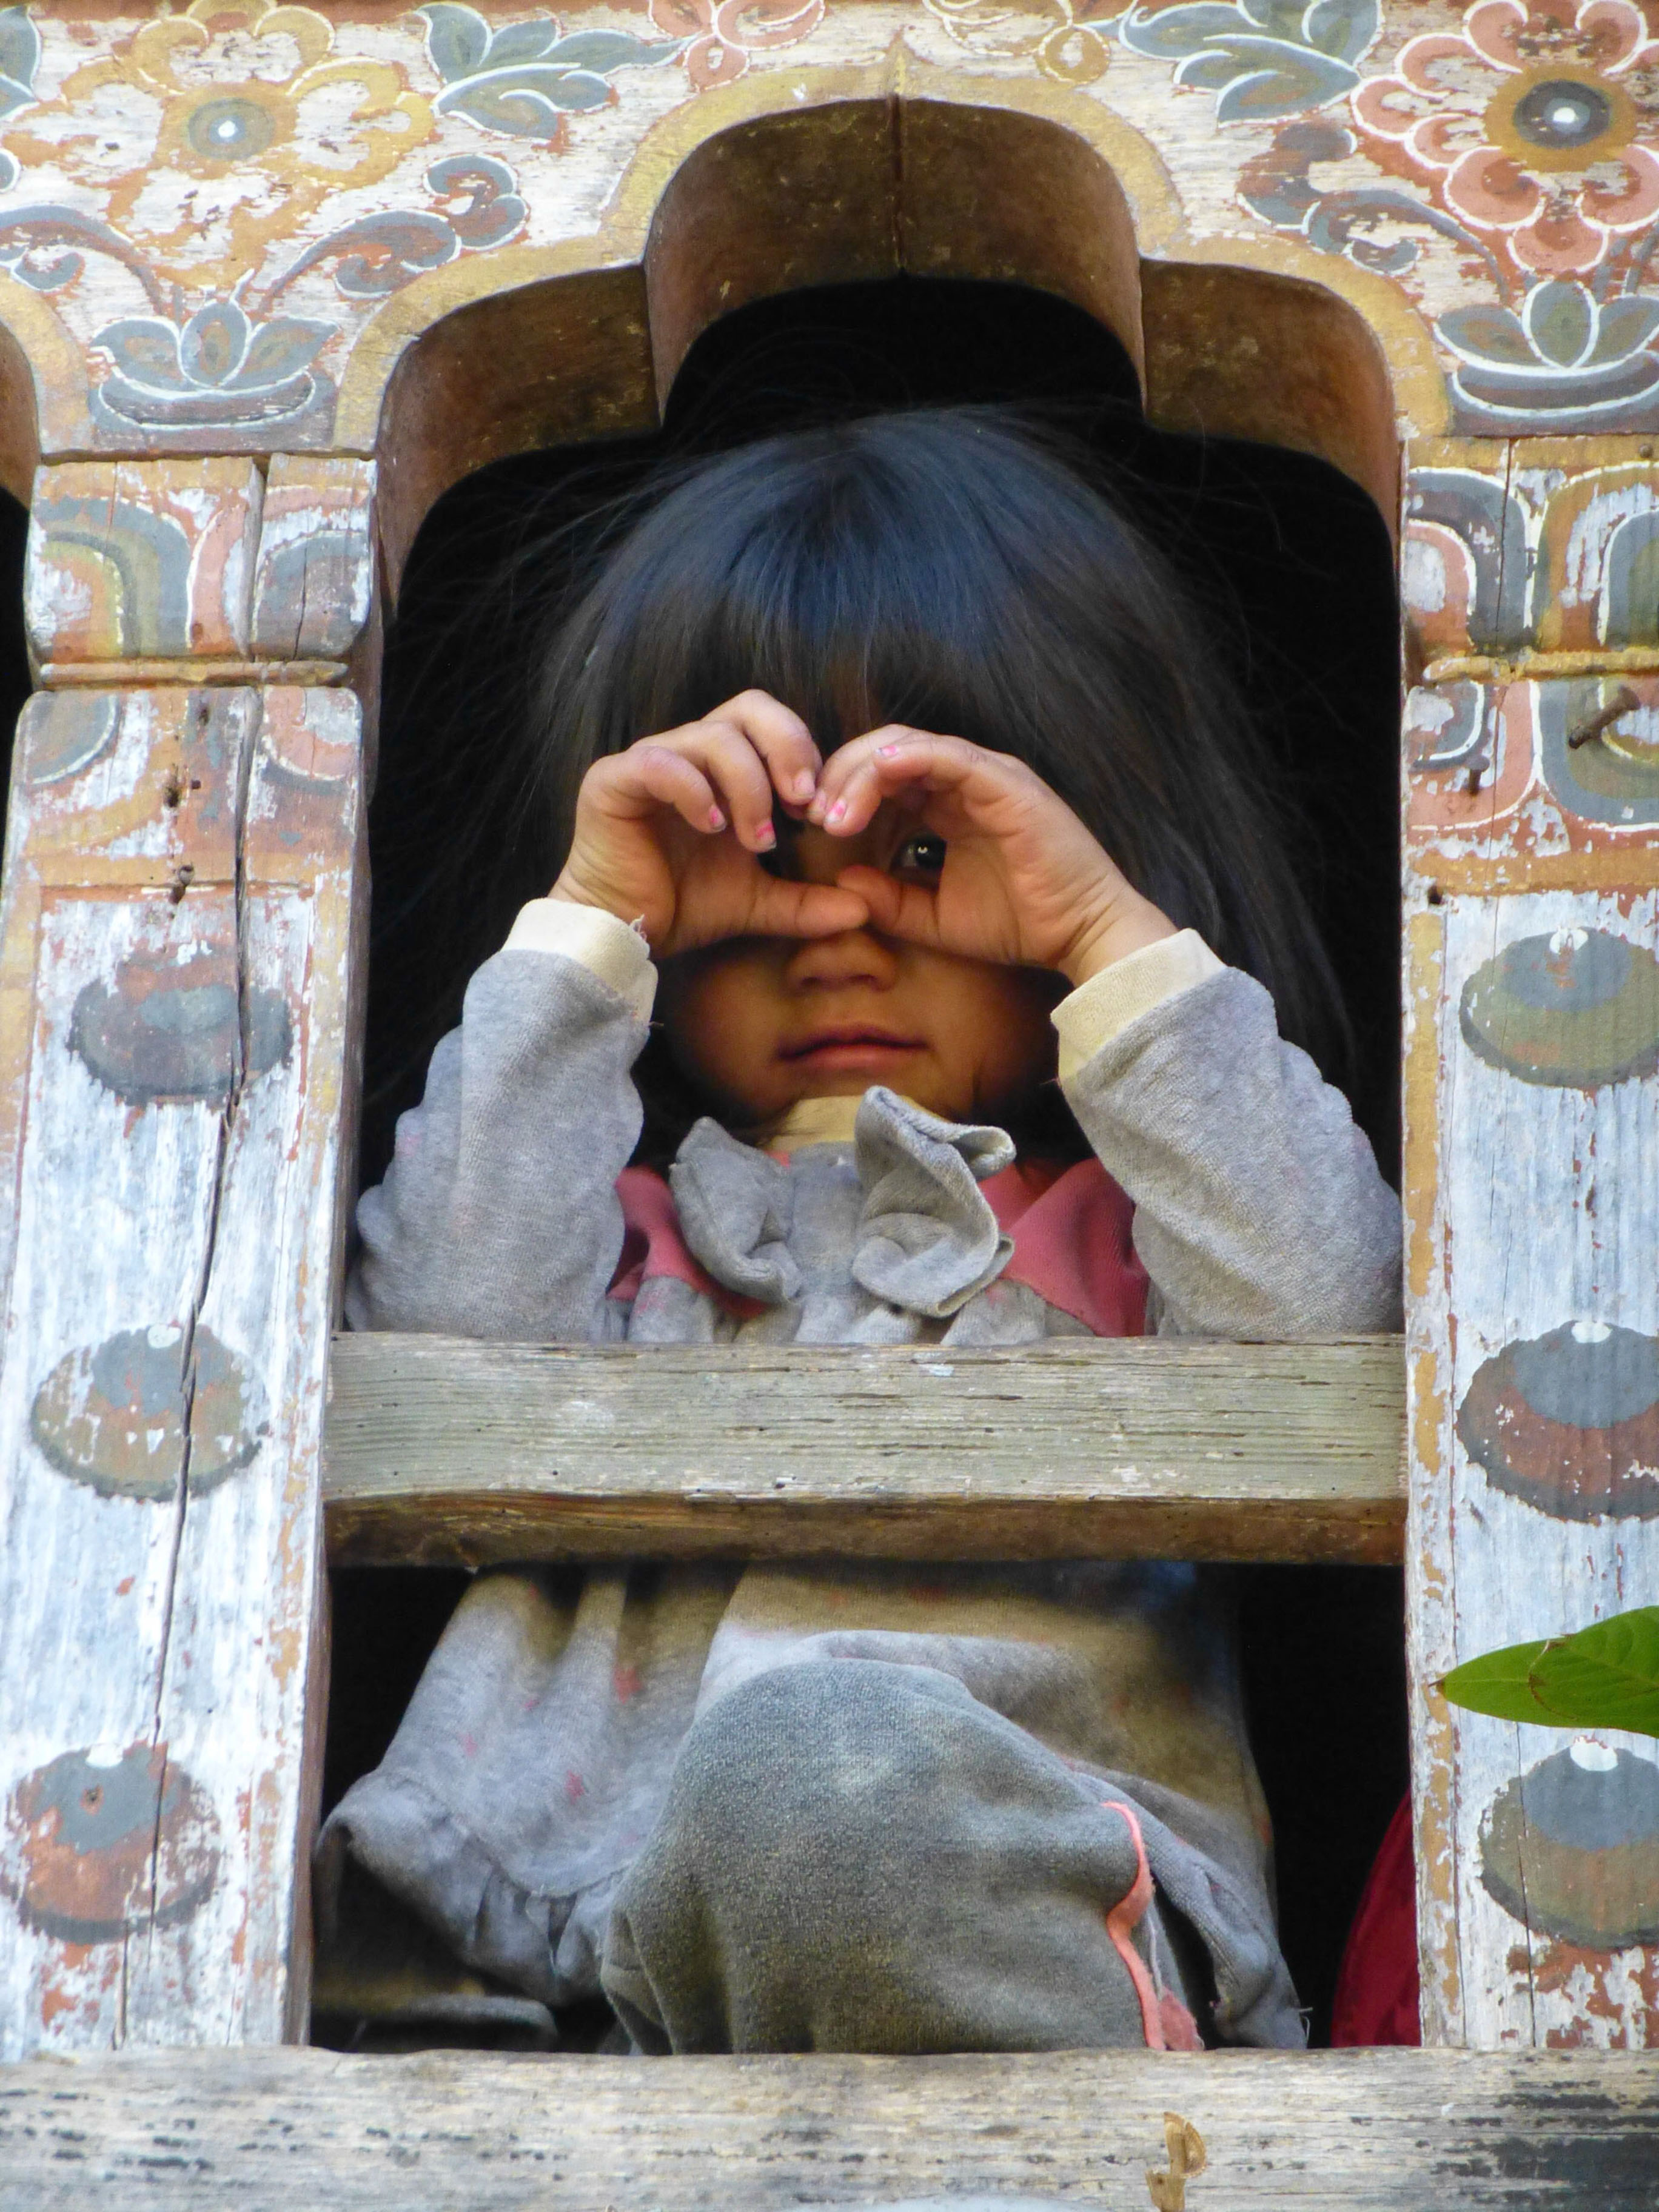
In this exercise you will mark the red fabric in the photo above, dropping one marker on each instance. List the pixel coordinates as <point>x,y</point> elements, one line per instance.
<point>653,1244</point>
<point>1377,1990</point>
<point>1071,1243</point>
<point>1070,1227</point>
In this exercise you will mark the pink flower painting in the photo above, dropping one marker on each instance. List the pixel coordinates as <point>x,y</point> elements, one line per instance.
<point>1537,124</point>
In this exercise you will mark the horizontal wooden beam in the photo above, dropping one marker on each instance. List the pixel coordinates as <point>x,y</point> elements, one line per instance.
<point>441,1451</point>
<point>1345,2131</point>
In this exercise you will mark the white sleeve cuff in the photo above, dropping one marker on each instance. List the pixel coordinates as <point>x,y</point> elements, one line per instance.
<point>1096,1010</point>
<point>617,954</point>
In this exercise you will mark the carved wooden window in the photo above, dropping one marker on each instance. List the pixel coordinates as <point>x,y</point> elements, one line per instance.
<point>219,516</point>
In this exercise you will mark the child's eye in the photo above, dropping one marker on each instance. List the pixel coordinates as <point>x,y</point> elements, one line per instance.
<point>920,855</point>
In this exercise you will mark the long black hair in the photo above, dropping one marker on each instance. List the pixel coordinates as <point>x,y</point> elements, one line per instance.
<point>960,570</point>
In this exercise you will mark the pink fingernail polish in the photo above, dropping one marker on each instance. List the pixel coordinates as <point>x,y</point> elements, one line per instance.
<point>716,819</point>
<point>887,752</point>
<point>837,810</point>
<point>766,836</point>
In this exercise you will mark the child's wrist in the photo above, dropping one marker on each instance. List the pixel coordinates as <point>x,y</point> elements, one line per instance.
<point>1128,925</point>
<point>570,891</point>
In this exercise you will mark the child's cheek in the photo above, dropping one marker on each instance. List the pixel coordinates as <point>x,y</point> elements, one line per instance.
<point>722,1010</point>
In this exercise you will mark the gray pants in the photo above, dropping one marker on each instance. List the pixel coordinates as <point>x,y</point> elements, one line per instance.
<point>858,1855</point>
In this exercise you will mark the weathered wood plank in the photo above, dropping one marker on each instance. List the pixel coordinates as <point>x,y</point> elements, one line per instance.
<point>1347,2131</point>
<point>1534,1343</point>
<point>180,952</point>
<point>439,1449</point>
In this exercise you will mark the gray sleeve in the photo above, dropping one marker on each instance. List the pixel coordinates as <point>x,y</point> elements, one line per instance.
<point>1260,1212</point>
<point>498,1216</point>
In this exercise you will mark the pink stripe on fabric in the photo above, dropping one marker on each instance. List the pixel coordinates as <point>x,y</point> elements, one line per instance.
<point>1124,1917</point>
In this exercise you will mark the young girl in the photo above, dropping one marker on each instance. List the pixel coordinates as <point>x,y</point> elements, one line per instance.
<point>889,771</point>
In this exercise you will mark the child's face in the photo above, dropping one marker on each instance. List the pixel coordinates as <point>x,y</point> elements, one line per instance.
<point>760,1023</point>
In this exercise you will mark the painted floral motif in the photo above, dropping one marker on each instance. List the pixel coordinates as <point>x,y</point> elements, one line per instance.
<point>1261,58</point>
<point>223,365</point>
<point>526,78</point>
<point>1058,37</point>
<point>1528,141</point>
<point>1525,123</point>
<point>236,120</point>
<point>1564,353</point>
<point>719,36</point>
<point>216,366</point>
<point>231,163</point>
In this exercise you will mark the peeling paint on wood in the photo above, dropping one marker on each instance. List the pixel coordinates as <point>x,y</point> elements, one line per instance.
<point>102,1843</point>
<point>184,867</point>
<point>1569,1422</point>
<point>1536,1511</point>
<point>161,1032</point>
<point>133,558</point>
<point>114,1414</point>
<point>314,581</point>
<point>1579,1007</point>
<point>1569,1847</point>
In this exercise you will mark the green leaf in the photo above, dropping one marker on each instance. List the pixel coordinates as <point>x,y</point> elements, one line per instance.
<point>1607,1676</point>
<point>1499,1683</point>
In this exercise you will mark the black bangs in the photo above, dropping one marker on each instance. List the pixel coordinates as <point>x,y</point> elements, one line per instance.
<point>958,570</point>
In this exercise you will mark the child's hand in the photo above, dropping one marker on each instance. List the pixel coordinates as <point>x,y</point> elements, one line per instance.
<point>1024,882</point>
<point>652,841</point>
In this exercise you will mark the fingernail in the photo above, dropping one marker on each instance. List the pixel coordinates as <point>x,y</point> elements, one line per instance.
<point>803,786</point>
<point>766,836</point>
<point>887,752</point>
<point>837,810</point>
<point>716,819</point>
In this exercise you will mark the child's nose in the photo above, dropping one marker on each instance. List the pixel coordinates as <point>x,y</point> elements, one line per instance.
<point>856,955</point>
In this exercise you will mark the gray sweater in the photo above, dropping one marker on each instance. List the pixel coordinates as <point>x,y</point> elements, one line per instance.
<point>536,1757</point>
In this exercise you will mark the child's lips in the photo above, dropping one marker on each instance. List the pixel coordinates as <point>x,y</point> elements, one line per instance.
<point>853,1045</point>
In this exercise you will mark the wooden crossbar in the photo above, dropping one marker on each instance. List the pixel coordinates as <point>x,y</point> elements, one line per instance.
<point>272,2131</point>
<point>439,1450</point>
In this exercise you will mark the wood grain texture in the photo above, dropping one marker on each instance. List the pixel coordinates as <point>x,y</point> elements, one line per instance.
<point>313,578</point>
<point>1344,2131</point>
<point>180,956</point>
<point>1533,1339</point>
<point>439,1449</point>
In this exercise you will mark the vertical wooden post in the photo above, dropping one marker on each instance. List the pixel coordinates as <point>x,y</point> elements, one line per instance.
<point>1532,771</point>
<point>179,962</point>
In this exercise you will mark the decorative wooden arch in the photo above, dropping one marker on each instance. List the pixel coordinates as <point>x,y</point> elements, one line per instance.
<point>237,433</point>
<point>832,176</point>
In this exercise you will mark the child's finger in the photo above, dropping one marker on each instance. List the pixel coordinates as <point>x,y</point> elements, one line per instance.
<point>876,766</point>
<point>788,909</point>
<point>647,776</point>
<point>731,763</point>
<point>782,740</point>
<point>909,911</point>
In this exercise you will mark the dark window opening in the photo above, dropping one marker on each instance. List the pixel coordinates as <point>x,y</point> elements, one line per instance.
<point>1292,567</point>
<point>15,684</point>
